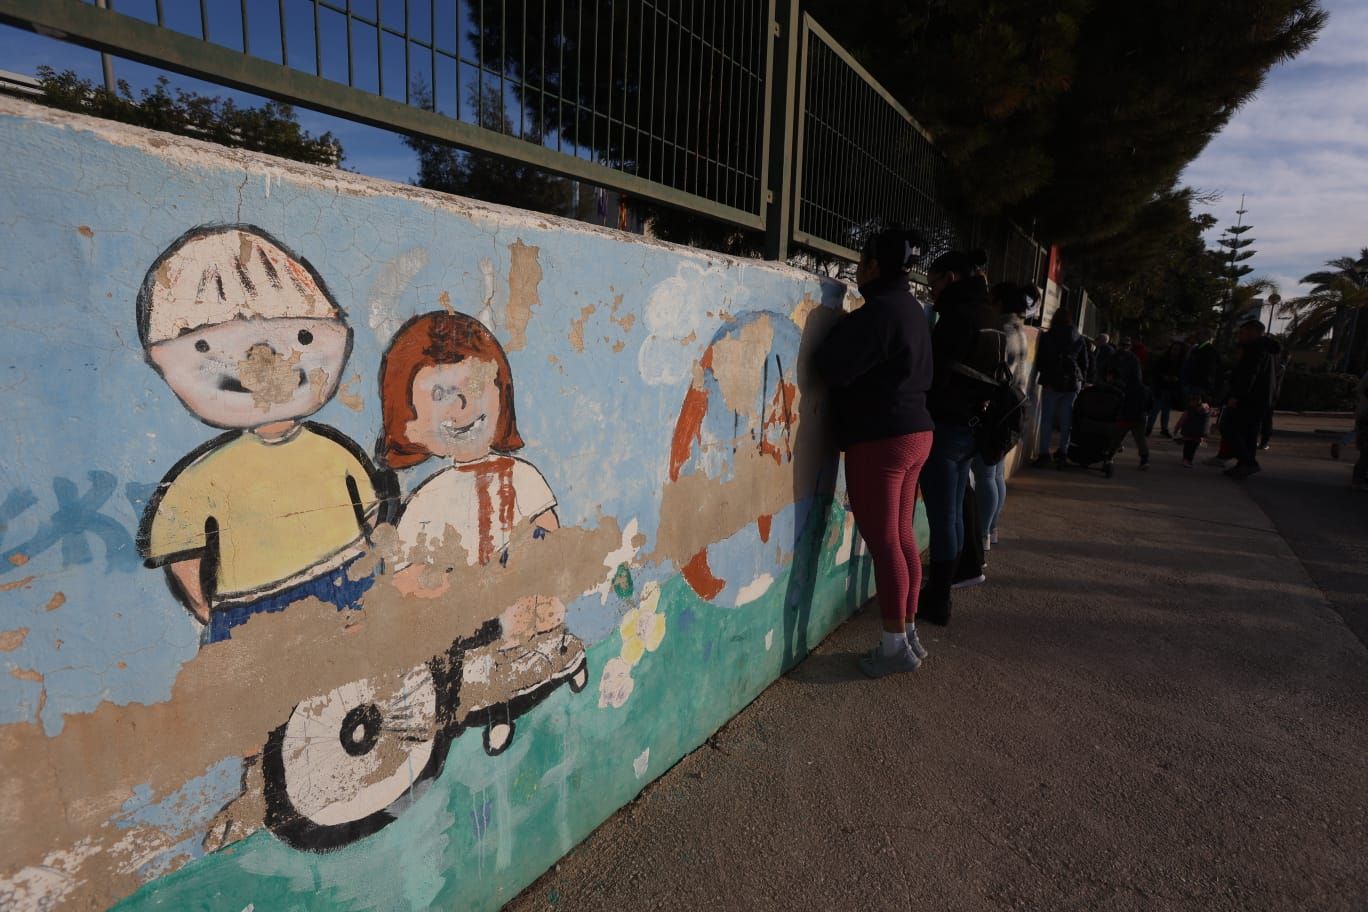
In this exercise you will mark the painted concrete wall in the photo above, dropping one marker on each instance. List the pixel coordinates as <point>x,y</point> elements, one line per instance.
<point>611,521</point>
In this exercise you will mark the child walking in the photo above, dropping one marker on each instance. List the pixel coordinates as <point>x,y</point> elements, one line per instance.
<point>1192,428</point>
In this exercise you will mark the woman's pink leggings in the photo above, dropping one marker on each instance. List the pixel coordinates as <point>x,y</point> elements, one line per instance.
<point>881,477</point>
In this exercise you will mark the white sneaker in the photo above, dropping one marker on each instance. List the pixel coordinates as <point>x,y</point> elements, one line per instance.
<point>987,543</point>
<point>971,581</point>
<point>992,536</point>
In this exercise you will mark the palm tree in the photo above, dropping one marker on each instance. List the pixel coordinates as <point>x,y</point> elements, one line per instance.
<point>1240,298</point>
<point>1338,296</point>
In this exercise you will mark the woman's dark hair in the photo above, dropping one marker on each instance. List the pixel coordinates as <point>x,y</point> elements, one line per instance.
<point>1011,298</point>
<point>960,262</point>
<point>895,250</point>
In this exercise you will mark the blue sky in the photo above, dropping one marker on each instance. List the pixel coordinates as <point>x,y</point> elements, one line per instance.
<point>1298,151</point>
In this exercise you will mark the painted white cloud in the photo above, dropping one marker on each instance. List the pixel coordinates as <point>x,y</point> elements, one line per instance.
<point>1299,152</point>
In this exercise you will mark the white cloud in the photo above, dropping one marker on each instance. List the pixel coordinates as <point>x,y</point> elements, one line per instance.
<point>1299,153</point>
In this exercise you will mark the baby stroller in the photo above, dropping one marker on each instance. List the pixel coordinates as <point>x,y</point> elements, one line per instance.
<point>1097,428</point>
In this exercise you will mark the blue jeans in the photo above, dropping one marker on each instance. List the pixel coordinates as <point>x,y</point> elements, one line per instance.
<point>943,481</point>
<point>334,588</point>
<point>1056,410</point>
<point>990,489</point>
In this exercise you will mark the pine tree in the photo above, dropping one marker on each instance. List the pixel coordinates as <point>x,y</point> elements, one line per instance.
<point>1230,265</point>
<point>1234,248</point>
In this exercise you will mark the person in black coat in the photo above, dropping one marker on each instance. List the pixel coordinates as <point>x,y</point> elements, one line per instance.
<point>1063,362</point>
<point>878,363</point>
<point>1251,395</point>
<point>957,401</point>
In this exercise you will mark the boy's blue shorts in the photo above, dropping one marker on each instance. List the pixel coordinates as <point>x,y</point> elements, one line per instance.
<point>333,587</point>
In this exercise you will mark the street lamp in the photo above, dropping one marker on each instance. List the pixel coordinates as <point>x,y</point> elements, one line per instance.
<point>1273,301</point>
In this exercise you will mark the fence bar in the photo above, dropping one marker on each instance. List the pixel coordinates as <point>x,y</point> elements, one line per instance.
<point>777,179</point>
<point>146,43</point>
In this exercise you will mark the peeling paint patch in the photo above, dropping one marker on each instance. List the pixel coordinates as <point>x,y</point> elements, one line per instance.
<point>271,377</point>
<point>57,601</point>
<point>769,640</point>
<point>486,314</point>
<point>805,306</point>
<point>17,584</point>
<point>577,327</point>
<point>351,400</point>
<point>739,365</point>
<point>85,231</point>
<point>11,640</point>
<point>524,278</point>
<point>26,674</point>
<point>641,763</point>
<point>19,559</point>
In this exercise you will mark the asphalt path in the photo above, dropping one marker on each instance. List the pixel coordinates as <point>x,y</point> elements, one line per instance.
<point>1157,702</point>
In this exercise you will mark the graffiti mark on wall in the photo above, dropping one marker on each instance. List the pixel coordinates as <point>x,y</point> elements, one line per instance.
<point>75,521</point>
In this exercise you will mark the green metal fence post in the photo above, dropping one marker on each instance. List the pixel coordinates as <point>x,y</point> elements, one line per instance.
<point>783,103</point>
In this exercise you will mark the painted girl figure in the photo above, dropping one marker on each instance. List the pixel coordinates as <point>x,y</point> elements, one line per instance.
<point>446,390</point>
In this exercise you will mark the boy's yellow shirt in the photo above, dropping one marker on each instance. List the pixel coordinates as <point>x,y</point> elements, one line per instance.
<point>280,507</point>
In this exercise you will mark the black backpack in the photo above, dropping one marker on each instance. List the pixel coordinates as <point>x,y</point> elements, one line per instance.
<point>997,427</point>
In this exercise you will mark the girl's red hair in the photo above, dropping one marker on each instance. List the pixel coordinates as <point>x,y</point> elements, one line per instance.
<point>431,340</point>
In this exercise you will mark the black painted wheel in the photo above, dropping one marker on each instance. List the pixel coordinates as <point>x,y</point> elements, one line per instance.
<point>345,763</point>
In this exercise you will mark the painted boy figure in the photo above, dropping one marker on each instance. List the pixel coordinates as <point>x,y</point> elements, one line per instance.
<point>248,337</point>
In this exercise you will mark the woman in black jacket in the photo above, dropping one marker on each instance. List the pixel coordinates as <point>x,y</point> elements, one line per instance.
<point>878,363</point>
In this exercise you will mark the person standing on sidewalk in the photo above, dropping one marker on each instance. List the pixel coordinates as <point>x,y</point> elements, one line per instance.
<point>1192,428</point>
<point>1102,354</point>
<point>1279,367</point>
<point>1202,366</point>
<point>1009,301</point>
<point>878,363</point>
<point>1251,393</point>
<point>957,402</point>
<point>1127,373</point>
<point>1165,379</point>
<point>1063,363</point>
<point>1360,477</point>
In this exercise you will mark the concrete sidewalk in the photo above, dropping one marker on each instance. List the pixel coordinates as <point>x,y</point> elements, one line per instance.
<point>1150,706</point>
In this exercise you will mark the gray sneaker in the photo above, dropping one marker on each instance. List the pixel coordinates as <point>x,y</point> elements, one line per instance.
<point>915,645</point>
<point>875,664</point>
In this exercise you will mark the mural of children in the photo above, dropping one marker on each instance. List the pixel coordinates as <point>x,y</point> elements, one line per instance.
<point>249,338</point>
<point>446,390</point>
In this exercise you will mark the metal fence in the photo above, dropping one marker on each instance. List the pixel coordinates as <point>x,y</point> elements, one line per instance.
<point>738,110</point>
<point>865,161</point>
